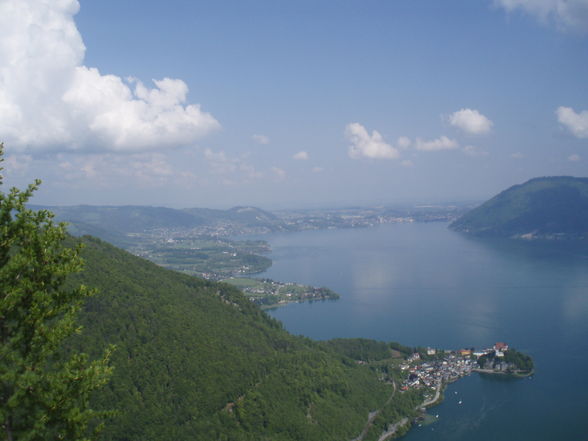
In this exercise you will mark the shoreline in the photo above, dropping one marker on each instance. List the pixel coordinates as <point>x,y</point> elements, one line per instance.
<point>437,398</point>
<point>293,302</point>
<point>393,429</point>
<point>507,374</point>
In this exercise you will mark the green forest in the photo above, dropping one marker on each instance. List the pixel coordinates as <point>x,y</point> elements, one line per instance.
<point>195,360</point>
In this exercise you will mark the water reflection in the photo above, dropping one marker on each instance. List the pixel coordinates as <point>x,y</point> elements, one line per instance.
<point>372,275</point>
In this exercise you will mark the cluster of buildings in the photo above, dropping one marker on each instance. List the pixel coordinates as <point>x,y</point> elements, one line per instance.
<point>439,367</point>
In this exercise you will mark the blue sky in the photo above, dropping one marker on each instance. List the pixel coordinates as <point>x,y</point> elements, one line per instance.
<point>291,103</point>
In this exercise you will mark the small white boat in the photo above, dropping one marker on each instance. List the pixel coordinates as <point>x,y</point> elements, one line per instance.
<point>459,402</point>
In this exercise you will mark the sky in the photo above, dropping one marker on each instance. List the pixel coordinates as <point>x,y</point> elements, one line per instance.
<point>290,104</point>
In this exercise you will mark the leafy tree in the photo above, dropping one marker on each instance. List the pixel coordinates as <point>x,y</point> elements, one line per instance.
<point>44,389</point>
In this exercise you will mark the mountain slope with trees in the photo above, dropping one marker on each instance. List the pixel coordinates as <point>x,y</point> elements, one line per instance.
<point>195,360</point>
<point>549,207</point>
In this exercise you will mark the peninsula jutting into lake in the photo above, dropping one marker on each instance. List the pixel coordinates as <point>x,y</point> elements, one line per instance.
<point>423,374</point>
<point>433,368</point>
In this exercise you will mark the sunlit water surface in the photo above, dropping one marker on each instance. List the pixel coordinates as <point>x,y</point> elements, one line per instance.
<point>422,284</point>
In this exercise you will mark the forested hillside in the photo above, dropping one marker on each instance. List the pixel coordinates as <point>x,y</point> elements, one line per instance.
<point>195,360</point>
<point>550,207</point>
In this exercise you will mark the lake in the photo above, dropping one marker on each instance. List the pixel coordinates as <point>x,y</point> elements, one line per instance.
<point>422,284</point>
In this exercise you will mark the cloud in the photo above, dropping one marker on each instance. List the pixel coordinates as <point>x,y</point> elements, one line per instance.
<point>407,163</point>
<point>50,101</point>
<point>470,121</point>
<point>403,142</point>
<point>574,158</point>
<point>261,139</point>
<point>150,166</point>
<point>364,145</point>
<point>565,14</point>
<point>577,123</point>
<point>517,155</point>
<point>441,143</point>
<point>220,162</point>
<point>235,169</point>
<point>109,169</point>
<point>317,169</point>
<point>279,173</point>
<point>471,150</point>
<point>301,156</point>
<point>17,164</point>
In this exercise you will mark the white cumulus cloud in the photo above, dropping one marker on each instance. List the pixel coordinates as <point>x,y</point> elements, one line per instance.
<point>470,121</point>
<point>301,156</point>
<point>50,100</point>
<point>565,14</point>
<point>441,143</point>
<point>577,123</point>
<point>364,145</point>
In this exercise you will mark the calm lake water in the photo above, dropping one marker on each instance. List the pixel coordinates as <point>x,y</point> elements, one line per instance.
<point>421,284</point>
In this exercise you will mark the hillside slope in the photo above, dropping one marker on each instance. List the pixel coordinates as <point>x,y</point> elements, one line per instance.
<point>550,207</point>
<point>196,361</point>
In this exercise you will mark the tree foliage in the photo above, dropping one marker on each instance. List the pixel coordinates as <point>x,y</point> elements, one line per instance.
<point>44,390</point>
<point>521,362</point>
<point>196,360</point>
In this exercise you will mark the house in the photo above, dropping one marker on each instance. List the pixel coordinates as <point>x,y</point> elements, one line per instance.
<point>414,357</point>
<point>500,347</point>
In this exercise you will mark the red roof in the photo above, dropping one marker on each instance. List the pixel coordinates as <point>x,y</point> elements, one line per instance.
<point>500,346</point>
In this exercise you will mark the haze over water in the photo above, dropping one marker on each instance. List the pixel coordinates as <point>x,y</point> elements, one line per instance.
<point>421,284</point>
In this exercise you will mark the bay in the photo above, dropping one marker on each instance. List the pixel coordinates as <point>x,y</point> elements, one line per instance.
<point>422,284</point>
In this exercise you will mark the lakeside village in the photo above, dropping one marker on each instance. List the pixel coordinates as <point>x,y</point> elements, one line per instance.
<point>435,368</point>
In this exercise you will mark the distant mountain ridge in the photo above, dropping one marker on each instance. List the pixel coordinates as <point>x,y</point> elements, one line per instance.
<point>102,220</point>
<point>244,215</point>
<point>120,225</point>
<point>546,208</point>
